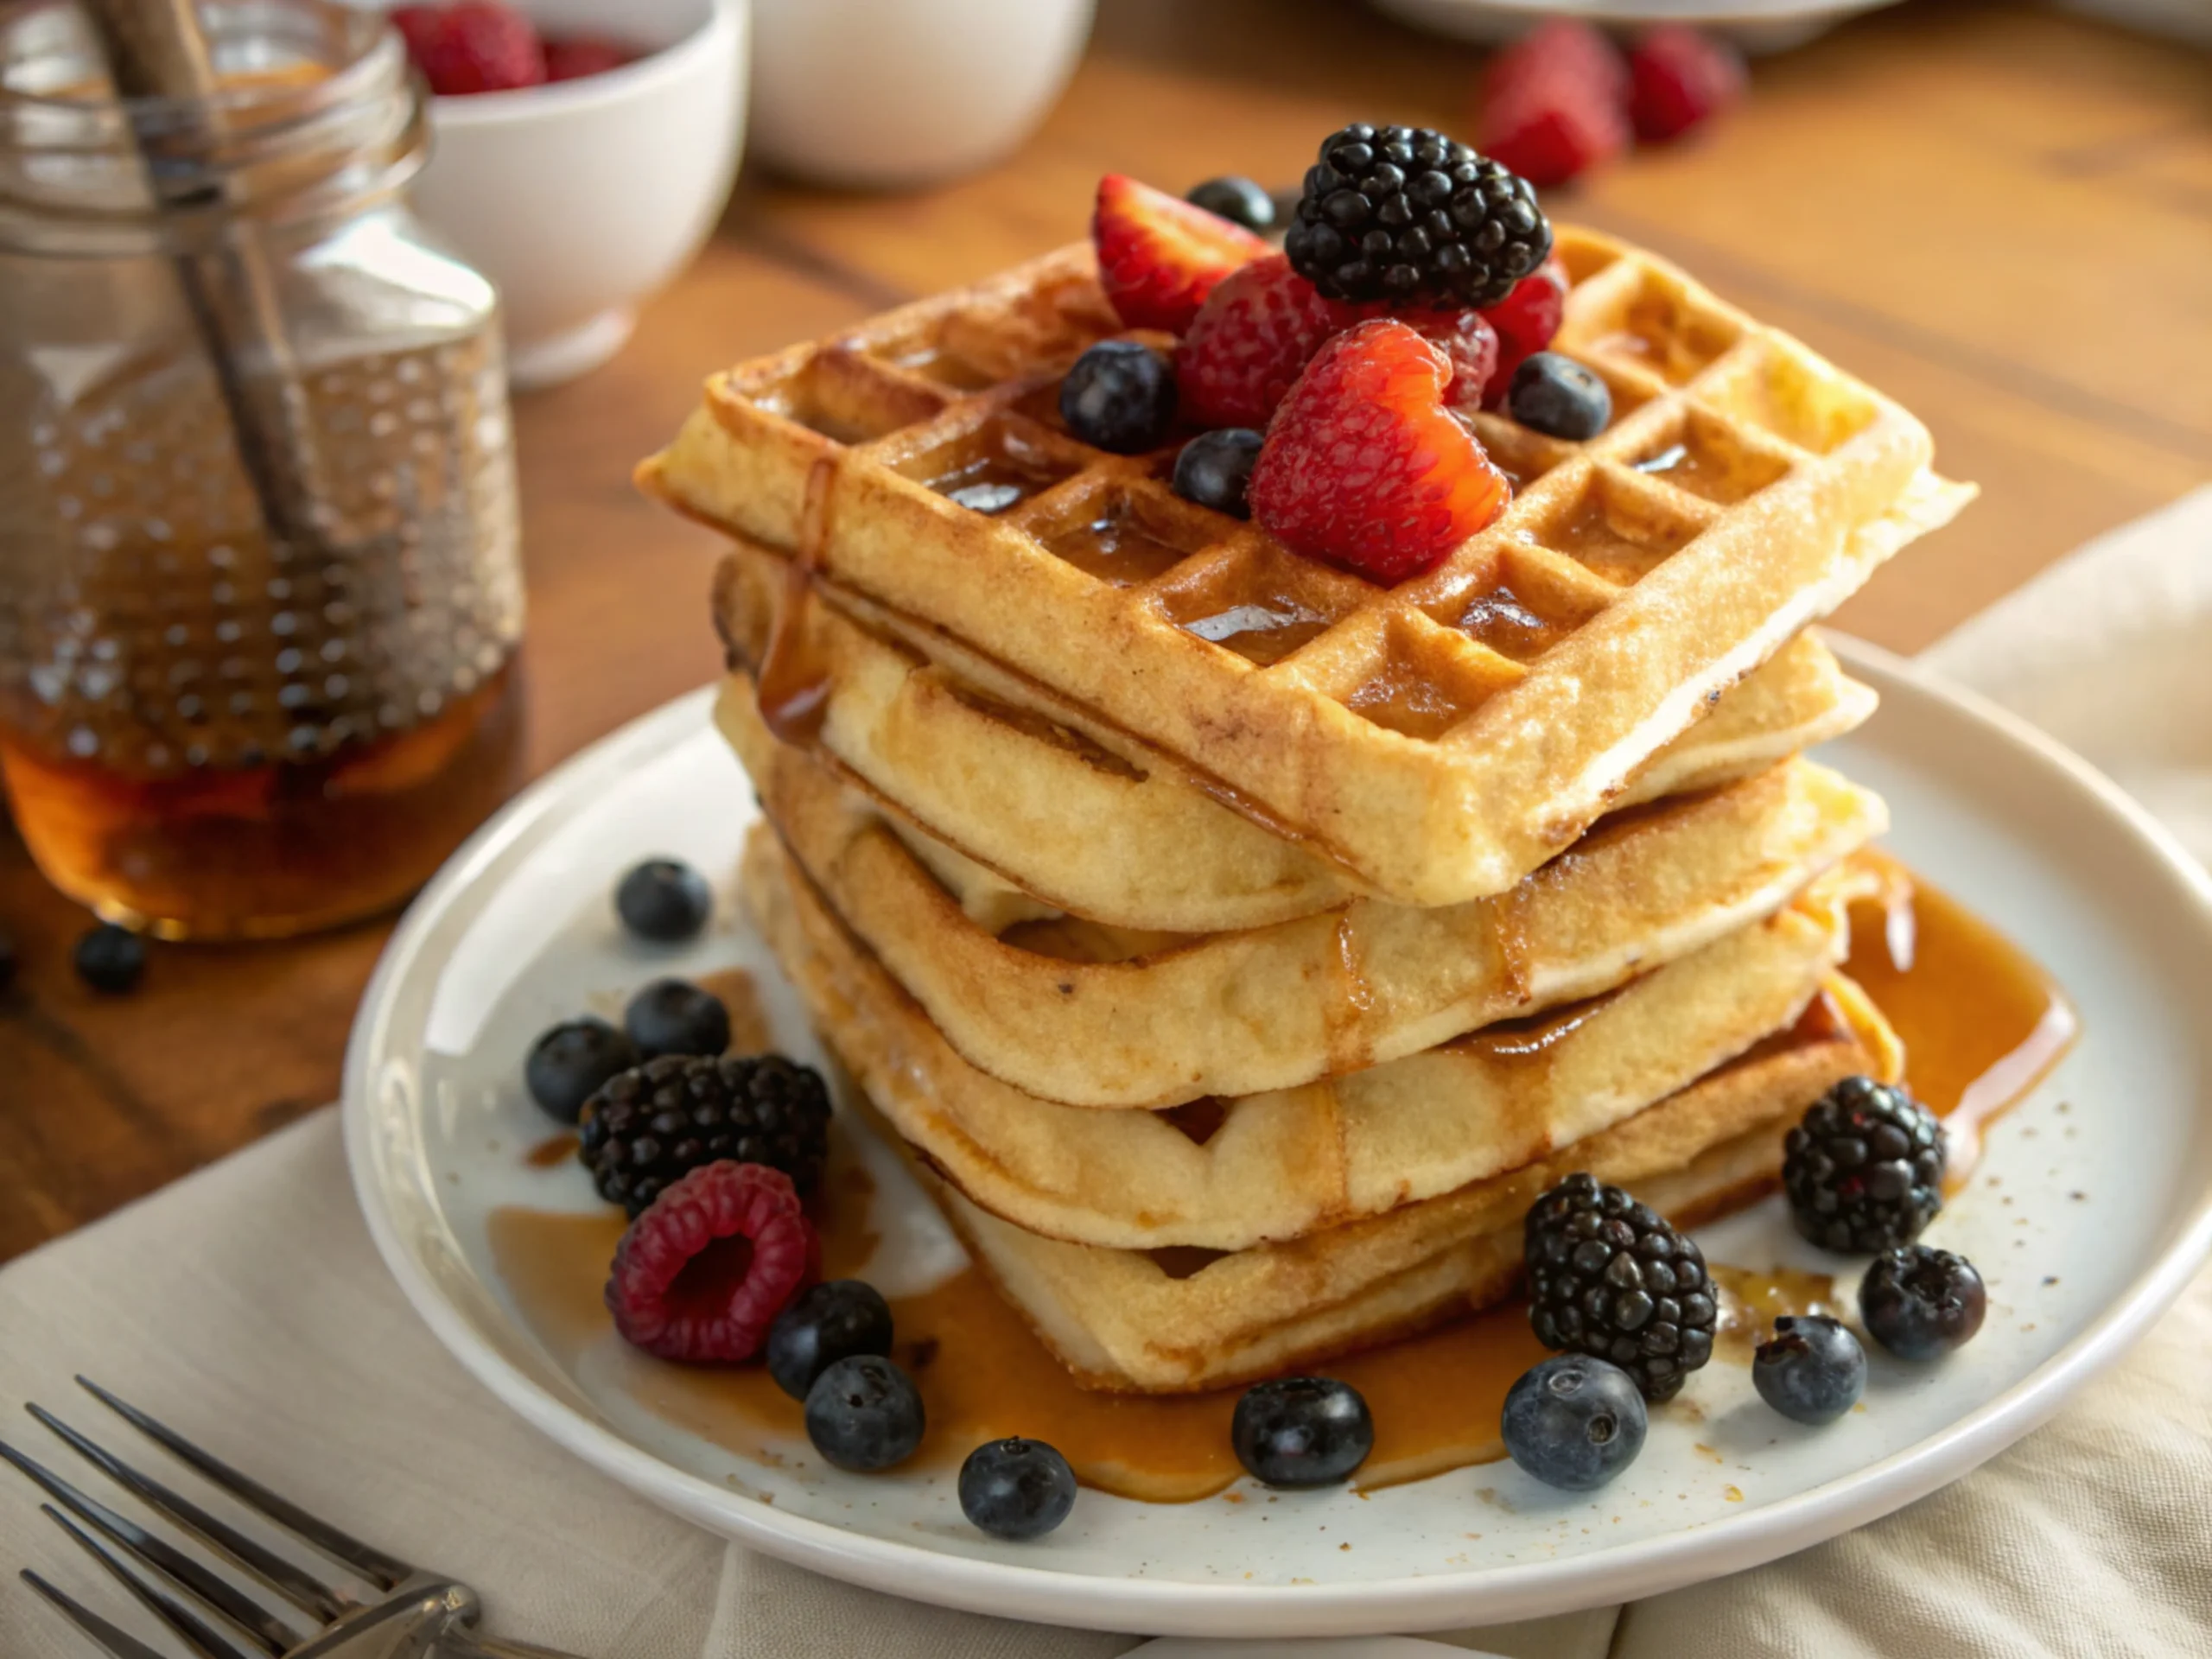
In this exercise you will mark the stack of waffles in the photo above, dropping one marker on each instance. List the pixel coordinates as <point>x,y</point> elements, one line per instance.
<point>1238,947</point>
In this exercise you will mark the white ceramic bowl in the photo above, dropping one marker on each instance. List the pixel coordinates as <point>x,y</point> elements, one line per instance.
<point>891,94</point>
<point>579,199</point>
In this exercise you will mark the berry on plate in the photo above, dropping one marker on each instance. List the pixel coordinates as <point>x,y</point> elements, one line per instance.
<point>864,1414</point>
<point>702,1273</point>
<point>1679,79</point>
<point>1236,198</point>
<point>664,900</point>
<point>1301,1431</point>
<point>1016,1489</point>
<point>1558,397</point>
<point>1812,1371</point>
<point>1215,469</point>
<point>110,959</point>
<point>471,45</point>
<point>1408,215</point>
<point>1554,103</point>
<point>1864,1170</point>
<point>1159,257</point>
<point>1120,396</point>
<point>830,1321</point>
<point>1921,1303</point>
<point>1573,1422</point>
<point>648,1127</point>
<point>1365,466</point>
<point>674,1016</point>
<point>572,1062</point>
<point>1525,322</point>
<point>1610,1278</point>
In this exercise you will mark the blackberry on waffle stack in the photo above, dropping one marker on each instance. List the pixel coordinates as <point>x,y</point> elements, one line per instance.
<point>1240,921</point>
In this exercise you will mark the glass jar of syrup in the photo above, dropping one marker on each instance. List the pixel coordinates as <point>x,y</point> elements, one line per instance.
<point>213,725</point>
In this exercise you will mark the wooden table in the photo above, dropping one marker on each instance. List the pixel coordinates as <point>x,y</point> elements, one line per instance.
<point>2002,217</point>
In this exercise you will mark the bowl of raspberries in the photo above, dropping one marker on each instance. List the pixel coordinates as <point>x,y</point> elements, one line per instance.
<point>582,151</point>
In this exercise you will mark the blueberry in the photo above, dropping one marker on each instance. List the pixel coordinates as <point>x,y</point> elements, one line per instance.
<point>1214,467</point>
<point>829,1322</point>
<point>664,900</point>
<point>1301,1431</point>
<point>1813,1372</point>
<point>674,1016</point>
<point>863,1414</point>
<point>1557,395</point>
<point>111,959</point>
<point>567,1065</point>
<point>1237,200</point>
<point>1016,1489</point>
<point>1119,396</point>
<point>1921,1303</point>
<point>1573,1421</point>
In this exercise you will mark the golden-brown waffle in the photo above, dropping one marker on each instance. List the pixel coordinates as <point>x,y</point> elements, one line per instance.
<point>1439,739</point>
<point>1093,823</point>
<point>1175,1321</point>
<point>1229,1174</point>
<point>1099,1017</point>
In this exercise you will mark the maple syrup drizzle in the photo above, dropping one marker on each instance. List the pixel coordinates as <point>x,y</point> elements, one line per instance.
<point>1982,1024</point>
<point>749,1030</point>
<point>793,687</point>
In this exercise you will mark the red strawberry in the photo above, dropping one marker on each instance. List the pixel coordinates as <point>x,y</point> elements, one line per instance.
<point>1525,319</point>
<point>571,57</point>
<point>1365,468</point>
<point>473,45</point>
<point>1680,76</point>
<point>1553,102</point>
<point>1159,257</point>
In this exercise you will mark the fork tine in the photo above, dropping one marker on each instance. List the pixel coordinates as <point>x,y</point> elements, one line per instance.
<point>166,1607</point>
<point>281,1575</point>
<point>385,1570</point>
<point>120,1643</point>
<point>271,1633</point>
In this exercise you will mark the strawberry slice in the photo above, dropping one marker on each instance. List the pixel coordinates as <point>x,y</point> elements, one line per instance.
<point>1159,257</point>
<point>1365,466</point>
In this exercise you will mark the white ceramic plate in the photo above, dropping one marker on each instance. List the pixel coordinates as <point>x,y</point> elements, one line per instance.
<point>1757,26</point>
<point>2102,1215</point>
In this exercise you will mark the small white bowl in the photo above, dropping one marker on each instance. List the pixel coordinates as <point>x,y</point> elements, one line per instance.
<point>579,199</point>
<point>892,94</point>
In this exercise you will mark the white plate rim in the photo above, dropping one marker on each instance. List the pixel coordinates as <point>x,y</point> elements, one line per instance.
<point>1432,1601</point>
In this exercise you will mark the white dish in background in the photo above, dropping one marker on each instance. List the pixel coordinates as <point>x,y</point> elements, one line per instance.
<point>896,94</point>
<point>518,932</point>
<point>1757,26</point>
<point>580,199</point>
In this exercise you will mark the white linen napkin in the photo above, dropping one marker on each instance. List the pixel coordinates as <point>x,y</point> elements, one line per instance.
<point>246,1306</point>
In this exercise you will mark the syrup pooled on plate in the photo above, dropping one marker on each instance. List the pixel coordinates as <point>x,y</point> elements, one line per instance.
<point>1982,1024</point>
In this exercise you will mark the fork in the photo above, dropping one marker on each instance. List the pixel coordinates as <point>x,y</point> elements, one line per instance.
<point>416,1613</point>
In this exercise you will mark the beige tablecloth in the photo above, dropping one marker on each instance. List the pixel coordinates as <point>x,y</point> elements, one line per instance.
<point>246,1306</point>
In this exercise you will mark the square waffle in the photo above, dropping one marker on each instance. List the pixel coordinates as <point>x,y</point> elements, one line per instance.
<point>1090,821</point>
<point>1099,1017</point>
<point>1439,739</point>
<point>1168,1321</point>
<point>1232,1174</point>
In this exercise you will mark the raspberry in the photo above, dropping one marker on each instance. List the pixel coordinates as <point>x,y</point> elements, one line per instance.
<point>1364,465</point>
<point>574,57</point>
<point>1159,257</point>
<point>702,1275</point>
<point>1554,103</point>
<point>1525,321</point>
<point>1679,79</point>
<point>474,46</point>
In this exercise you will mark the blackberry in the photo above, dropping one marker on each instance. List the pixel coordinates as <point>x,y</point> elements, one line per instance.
<point>1608,1277</point>
<point>657,1122</point>
<point>1865,1170</point>
<point>1407,215</point>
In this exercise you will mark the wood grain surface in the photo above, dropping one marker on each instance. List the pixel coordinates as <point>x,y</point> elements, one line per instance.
<point>2000,216</point>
